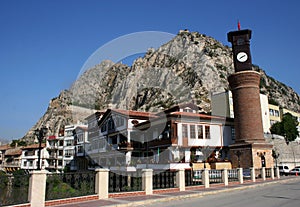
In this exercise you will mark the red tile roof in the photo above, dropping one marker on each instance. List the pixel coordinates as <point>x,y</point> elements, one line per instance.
<point>131,113</point>
<point>204,116</point>
<point>13,151</point>
<point>4,147</point>
<point>34,146</point>
<point>51,137</point>
<point>84,128</point>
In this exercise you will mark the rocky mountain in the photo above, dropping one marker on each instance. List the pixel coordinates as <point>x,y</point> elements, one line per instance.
<point>190,67</point>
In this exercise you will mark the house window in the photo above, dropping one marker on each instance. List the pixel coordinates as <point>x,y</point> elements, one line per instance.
<point>271,112</point>
<point>233,133</point>
<point>80,149</point>
<point>69,142</point>
<point>60,163</point>
<point>184,131</point>
<point>200,131</point>
<point>80,138</point>
<point>187,110</point>
<point>111,124</point>
<point>207,132</point>
<point>114,139</point>
<point>119,121</point>
<point>69,153</point>
<point>192,132</point>
<point>103,128</point>
<point>276,113</point>
<point>69,133</point>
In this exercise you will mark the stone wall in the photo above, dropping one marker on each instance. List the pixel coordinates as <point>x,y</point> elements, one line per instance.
<point>289,154</point>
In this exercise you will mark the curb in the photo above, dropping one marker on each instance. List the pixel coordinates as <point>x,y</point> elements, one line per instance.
<point>201,194</point>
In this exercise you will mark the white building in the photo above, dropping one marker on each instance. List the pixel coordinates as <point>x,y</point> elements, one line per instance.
<point>131,138</point>
<point>29,157</point>
<point>110,136</point>
<point>62,149</point>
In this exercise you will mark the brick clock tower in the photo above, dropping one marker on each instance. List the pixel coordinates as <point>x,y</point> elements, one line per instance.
<point>250,148</point>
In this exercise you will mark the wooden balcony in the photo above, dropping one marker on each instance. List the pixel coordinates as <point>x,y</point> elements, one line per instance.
<point>125,146</point>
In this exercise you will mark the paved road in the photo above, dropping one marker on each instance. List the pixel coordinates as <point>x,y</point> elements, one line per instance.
<point>275,195</point>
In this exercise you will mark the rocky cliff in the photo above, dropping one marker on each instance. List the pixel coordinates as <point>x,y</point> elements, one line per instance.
<point>190,67</point>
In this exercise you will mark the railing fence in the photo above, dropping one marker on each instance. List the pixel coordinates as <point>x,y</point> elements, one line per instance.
<point>14,189</point>
<point>65,185</point>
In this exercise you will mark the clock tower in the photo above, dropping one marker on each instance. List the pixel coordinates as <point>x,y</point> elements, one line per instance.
<point>241,49</point>
<point>250,148</point>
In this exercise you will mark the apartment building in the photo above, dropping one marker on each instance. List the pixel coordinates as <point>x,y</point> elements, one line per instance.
<point>29,157</point>
<point>275,114</point>
<point>62,149</point>
<point>11,158</point>
<point>80,161</point>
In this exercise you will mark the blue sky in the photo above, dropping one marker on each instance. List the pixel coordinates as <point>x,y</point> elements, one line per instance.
<point>44,44</point>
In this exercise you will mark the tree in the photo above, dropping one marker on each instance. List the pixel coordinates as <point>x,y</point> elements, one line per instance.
<point>15,143</point>
<point>287,127</point>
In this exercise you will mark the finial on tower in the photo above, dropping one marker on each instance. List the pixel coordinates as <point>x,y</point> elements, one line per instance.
<point>239,25</point>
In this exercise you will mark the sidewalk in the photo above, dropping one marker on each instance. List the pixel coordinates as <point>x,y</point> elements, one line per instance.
<point>163,197</point>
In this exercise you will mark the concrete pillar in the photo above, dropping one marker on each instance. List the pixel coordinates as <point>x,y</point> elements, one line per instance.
<point>102,182</point>
<point>37,188</point>
<point>225,177</point>
<point>180,179</point>
<point>277,173</point>
<point>263,173</point>
<point>205,178</point>
<point>147,181</point>
<point>240,175</point>
<point>272,173</point>
<point>252,170</point>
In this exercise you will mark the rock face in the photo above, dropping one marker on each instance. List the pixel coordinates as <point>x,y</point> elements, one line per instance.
<point>190,67</point>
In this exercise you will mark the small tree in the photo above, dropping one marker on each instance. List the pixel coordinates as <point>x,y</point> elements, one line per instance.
<point>287,127</point>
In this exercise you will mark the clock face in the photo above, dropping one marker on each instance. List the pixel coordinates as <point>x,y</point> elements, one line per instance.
<point>242,57</point>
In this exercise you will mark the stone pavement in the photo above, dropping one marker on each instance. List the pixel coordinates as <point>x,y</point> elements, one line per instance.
<point>167,196</point>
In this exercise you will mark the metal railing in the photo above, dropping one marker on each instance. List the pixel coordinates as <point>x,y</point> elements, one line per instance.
<point>193,178</point>
<point>125,181</point>
<point>246,174</point>
<point>268,172</point>
<point>66,185</point>
<point>258,173</point>
<point>165,179</point>
<point>14,189</point>
<point>233,175</point>
<point>215,176</point>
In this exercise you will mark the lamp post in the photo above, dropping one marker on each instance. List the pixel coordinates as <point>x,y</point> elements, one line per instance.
<point>206,151</point>
<point>275,155</point>
<point>238,153</point>
<point>40,134</point>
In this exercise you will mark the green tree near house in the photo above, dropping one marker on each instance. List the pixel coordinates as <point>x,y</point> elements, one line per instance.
<point>287,127</point>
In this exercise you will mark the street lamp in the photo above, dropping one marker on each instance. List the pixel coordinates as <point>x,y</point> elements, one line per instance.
<point>238,153</point>
<point>275,155</point>
<point>40,134</point>
<point>206,151</point>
